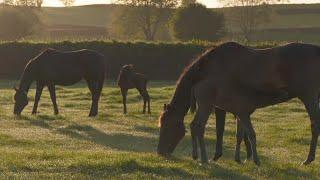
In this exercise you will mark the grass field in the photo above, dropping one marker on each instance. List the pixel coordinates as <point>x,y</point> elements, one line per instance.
<point>113,145</point>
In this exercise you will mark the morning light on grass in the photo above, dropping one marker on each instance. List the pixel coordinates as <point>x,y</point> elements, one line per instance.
<point>112,145</point>
<point>159,89</point>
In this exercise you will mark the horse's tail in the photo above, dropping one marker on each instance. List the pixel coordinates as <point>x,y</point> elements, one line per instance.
<point>193,102</point>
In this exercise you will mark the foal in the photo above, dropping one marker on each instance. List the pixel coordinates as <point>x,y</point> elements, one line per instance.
<point>128,79</point>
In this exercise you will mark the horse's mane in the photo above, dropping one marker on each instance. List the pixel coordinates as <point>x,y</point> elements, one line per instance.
<point>195,64</point>
<point>204,57</point>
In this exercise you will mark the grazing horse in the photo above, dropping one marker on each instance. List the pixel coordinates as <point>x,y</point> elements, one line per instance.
<point>128,79</point>
<point>52,67</point>
<point>240,80</point>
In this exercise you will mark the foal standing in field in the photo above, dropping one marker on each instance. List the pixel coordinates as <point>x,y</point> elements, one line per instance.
<point>52,67</point>
<point>128,79</point>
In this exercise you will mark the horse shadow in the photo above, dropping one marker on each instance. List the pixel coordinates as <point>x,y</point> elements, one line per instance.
<point>119,141</point>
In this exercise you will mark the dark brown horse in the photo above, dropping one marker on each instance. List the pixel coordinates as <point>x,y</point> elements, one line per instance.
<point>239,80</point>
<point>52,67</point>
<point>220,124</point>
<point>128,79</point>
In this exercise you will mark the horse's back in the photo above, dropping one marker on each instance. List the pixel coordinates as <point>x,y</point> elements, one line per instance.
<point>70,67</point>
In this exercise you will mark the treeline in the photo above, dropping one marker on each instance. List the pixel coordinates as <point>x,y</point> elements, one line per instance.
<point>164,20</point>
<point>160,61</point>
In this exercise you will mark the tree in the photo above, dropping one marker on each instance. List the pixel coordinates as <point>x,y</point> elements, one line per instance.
<point>17,23</point>
<point>67,3</point>
<point>145,16</point>
<point>32,3</point>
<point>249,14</point>
<point>8,2</point>
<point>185,3</point>
<point>197,22</point>
<point>39,3</point>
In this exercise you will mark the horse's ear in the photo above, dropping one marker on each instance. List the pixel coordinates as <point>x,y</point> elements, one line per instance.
<point>164,107</point>
<point>130,66</point>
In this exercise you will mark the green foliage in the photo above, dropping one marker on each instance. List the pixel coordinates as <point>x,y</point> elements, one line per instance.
<point>185,3</point>
<point>17,23</point>
<point>169,58</point>
<point>195,21</point>
<point>148,16</point>
<point>67,3</point>
<point>29,3</point>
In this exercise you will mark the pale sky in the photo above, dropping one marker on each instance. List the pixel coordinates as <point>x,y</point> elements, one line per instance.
<point>208,3</point>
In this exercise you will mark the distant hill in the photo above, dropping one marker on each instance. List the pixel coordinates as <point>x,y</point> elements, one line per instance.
<point>289,22</point>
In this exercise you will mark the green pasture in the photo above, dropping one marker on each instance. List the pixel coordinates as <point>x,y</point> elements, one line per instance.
<point>112,145</point>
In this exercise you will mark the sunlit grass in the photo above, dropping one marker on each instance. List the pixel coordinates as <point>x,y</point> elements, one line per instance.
<point>112,145</point>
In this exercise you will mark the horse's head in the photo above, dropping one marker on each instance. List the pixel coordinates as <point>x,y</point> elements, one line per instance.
<point>21,101</point>
<point>172,130</point>
<point>127,69</point>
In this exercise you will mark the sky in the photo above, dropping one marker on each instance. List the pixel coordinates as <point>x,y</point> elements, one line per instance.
<point>208,3</point>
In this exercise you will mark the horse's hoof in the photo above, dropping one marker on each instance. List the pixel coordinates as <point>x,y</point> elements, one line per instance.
<point>194,157</point>
<point>34,113</point>
<point>217,156</point>
<point>247,160</point>
<point>257,162</point>
<point>307,162</point>
<point>238,161</point>
<point>204,163</point>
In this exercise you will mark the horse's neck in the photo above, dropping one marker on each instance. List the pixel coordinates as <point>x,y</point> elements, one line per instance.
<point>26,80</point>
<point>182,97</point>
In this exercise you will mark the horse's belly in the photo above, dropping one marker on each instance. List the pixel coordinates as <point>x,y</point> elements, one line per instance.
<point>67,81</point>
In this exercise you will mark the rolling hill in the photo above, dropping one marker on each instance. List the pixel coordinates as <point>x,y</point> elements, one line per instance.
<point>288,22</point>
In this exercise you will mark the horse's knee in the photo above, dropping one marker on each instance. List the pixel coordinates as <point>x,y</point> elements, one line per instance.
<point>194,128</point>
<point>315,126</point>
<point>239,135</point>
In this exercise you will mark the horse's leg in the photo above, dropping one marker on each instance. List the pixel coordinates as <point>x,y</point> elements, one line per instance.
<point>144,106</point>
<point>240,134</point>
<point>146,98</point>
<point>246,124</point>
<point>311,104</point>
<point>220,123</point>
<point>95,89</point>
<point>98,94</point>
<point>52,91</point>
<point>124,93</point>
<point>39,89</point>
<point>194,138</point>
<point>202,116</point>
<point>248,146</point>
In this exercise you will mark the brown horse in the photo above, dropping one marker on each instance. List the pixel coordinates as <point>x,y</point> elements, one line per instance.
<point>52,67</point>
<point>239,80</point>
<point>220,124</point>
<point>128,79</point>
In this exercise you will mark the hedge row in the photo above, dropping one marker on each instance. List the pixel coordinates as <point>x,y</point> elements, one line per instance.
<point>160,61</point>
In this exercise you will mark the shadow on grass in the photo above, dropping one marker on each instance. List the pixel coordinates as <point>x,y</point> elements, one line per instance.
<point>129,166</point>
<point>132,166</point>
<point>42,120</point>
<point>123,142</point>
